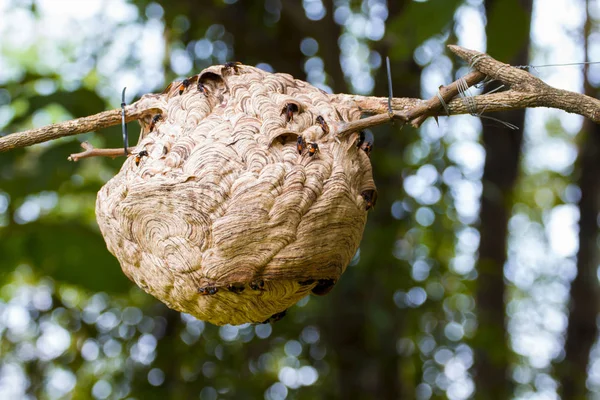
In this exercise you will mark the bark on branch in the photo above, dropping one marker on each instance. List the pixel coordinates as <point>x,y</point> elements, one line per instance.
<point>525,91</point>
<point>147,105</point>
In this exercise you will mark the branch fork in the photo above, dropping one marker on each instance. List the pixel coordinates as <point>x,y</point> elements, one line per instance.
<point>525,90</point>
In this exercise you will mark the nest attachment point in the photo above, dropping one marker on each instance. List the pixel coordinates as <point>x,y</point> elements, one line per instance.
<point>240,198</point>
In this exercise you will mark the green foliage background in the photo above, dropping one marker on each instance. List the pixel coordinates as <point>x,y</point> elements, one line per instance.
<point>400,324</point>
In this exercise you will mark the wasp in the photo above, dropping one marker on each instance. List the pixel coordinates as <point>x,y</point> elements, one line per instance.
<point>300,144</point>
<point>234,65</point>
<point>361,139</point>
<point>289,110</point>
<point>236,287</point>
<point>208,290</point>
<point>370,197</point>
<point>155,119</point>
<point>202,89</point>
<point>367,147</point>
<point>323,287</point>
<point>138,156</point>
<point>313,149</point>
<point>275,317</point>
<point>183,85</point>
<point>257,285</point>
<point>324,126</point>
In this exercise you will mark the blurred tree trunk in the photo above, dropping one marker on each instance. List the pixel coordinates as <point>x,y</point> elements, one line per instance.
<point>503,152</point>
<point>365,324</point>
<point>585,298</point>
<point>168,357</point>
<point>585,293</point>
<point>254,45</point>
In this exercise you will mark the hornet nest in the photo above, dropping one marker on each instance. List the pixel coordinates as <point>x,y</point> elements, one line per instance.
<point>240,198</point>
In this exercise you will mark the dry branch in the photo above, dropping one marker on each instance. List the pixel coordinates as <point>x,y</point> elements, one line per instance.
<point>419,114</point>
<point>91,151</point>
<point>147,105</point>
<point>525,91</point>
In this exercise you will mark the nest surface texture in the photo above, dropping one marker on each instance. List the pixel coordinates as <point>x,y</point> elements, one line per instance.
<point>240,199</point>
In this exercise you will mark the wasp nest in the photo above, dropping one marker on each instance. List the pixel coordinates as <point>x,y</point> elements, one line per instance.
<point>240,199</point>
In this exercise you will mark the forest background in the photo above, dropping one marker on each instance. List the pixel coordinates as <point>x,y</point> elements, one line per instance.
<point>477,276</point>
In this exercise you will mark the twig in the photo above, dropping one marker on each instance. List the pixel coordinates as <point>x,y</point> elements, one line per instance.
<point>91,151</point>
<point>344,128</point>
<point>377,105</point>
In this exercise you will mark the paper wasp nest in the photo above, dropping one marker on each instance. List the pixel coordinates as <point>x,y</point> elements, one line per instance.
<point>240,199</point>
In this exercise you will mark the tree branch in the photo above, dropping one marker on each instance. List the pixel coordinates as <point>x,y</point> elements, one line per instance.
<point>525,91</point>
<point>147,105</point>
<point>419,114</point>
<point>528,90</point>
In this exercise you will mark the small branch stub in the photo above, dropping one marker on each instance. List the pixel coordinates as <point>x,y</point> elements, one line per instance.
<point>90,151</point>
